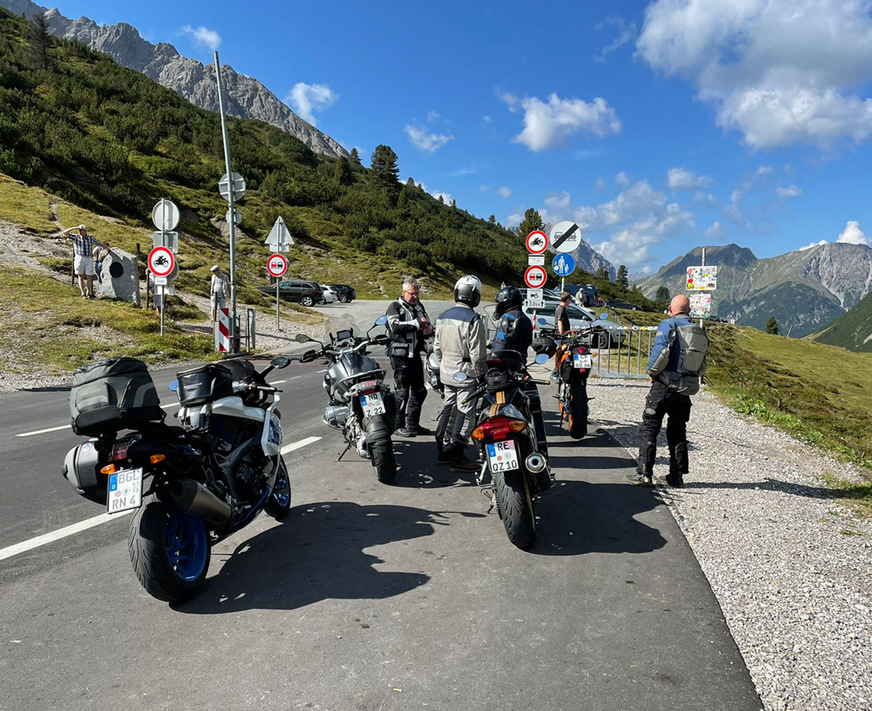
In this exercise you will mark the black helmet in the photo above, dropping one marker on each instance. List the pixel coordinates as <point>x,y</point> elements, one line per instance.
<point>467,291</point>
<point>507,298</point>
<point>544,344</point>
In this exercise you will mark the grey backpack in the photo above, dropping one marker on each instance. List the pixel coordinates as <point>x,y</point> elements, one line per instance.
<point>693,346</point>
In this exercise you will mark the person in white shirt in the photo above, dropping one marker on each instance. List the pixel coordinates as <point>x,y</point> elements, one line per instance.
<point>218,291</point>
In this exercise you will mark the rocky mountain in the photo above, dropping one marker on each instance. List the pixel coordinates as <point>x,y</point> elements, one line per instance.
<point>852,331</point>
<point>803,290</point>
<point>245,97</point>
<point>591,261</point>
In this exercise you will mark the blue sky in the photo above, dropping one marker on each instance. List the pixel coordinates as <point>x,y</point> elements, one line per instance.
<point>657,126</point>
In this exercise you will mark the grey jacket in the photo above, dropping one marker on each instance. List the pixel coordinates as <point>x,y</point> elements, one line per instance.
<point>461,344</point>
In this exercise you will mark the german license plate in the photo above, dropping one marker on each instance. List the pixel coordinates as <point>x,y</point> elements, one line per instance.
<point>582,360</point>
<point>372,404</point>
<point>125,491</point>
<point>502,456</point>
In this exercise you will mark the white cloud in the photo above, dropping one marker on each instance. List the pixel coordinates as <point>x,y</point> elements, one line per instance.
<point>780,72</point>
<point>600,184</point>
<point>557,203</point>
<point>514,219</point>
<point>549,125</point>
<point>622,179</point>
<point>504,191</point>
<point>684,179</point>
<point>463,170</point>
<point>813,244</point>
<point>429,142</point>
<point>626,32</point>
<point>484,188</point>
<point>854,235</point>
<point>308,98</point>
<point>791,191</point>
<point>203,37</point>
<point>764,170</point>
<point>715,231</point>
<point>446,197</point>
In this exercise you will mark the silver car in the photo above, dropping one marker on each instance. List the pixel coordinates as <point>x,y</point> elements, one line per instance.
<point>607,332</point>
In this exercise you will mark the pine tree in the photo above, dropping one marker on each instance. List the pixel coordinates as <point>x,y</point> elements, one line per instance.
<point>772,326</point>
<point>40,41</point>
<point>602,273</point>
<point>410,183</point>
<point>622,279</point>
<point>384,166</point>
<point>355,156</point>
<point>532,221</point>
<point>492,219</point>
<point>454,204</point>
<point>662,295</point>
<point>342,172</point>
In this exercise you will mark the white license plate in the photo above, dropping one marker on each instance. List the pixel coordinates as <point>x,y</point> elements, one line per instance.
<point>372,404</point>
<point>502,456</point>
<point>125,491</point>
<point>582,361</point>
<point>274,436</point>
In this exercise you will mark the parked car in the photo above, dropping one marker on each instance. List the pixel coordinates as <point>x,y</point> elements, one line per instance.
<point>344,292</point>
<point>329,294</point>
<point>608,332</point>
<point>621,304</point>
<point>305,292</point>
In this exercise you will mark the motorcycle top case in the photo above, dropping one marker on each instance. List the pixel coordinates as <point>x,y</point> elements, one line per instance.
<point>211,382</point>
<point>111,395</point>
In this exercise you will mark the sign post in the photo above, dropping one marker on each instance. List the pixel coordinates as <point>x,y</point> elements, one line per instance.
<point>563,265</point>
<point>161,263</point>
<point>277,266</point>
<point>280,240</point>
<point>700,280</point>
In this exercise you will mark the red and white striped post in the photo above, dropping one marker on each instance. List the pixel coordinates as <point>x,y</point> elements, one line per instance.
<point>222,330</point>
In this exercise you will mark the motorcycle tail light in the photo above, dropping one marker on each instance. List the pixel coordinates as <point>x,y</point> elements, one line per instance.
<point>119,451</point>
<point>370,386</point>
<point>498,428</point>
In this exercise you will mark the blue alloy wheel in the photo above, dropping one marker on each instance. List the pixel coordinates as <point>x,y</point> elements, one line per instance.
<point>186,544</point>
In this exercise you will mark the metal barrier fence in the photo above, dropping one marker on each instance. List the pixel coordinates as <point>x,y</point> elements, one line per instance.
<point>627,354</point>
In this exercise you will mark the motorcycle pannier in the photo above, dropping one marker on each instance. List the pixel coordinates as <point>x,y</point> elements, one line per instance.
<point>111,395</point>
<point>204,384</point>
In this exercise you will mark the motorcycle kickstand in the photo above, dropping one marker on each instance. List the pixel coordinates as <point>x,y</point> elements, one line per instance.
<point>344,451</point>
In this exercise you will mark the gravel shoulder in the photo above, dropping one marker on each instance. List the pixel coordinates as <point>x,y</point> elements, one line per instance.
<point>789,564</point>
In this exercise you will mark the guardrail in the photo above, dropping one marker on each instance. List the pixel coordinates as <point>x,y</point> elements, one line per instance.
<point>627,358</point>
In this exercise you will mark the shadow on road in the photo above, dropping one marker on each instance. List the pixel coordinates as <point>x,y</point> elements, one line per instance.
<point>316,554</point>
<point>416,459</point>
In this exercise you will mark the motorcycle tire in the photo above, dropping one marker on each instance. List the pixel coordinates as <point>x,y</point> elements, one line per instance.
<point>279,502</point>
<point>515,506</point>
<point>381,449</point>
<point>577,410</point>
<point>169,551</point>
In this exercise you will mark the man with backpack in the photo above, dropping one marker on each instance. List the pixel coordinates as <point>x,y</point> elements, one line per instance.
<point>675,368</point>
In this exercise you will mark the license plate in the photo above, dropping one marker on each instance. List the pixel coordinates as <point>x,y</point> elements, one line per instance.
<point>274,435</point>
<point>582,360</point>
<point>502,456</point>
<point>125,491</point>
<point>372,404</point>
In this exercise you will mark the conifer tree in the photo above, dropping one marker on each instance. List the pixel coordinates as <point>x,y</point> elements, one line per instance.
<point>622,278</point>
<point>602,273</point>
<point>662,295</point>
<point>355,156</point>
<point>40,41</point>
<point>342,172</point>
<point>772,326</point>
<point>532,221</point>
<point>384,166</point>
<point>492,219</point>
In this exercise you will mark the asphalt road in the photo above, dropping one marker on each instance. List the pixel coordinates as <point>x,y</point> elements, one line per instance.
<point>366,596</point>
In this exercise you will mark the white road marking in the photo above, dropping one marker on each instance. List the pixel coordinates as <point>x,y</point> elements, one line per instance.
<point>175,405</point>
<point>53,536</point>
<point>278,382</point>
<point>50,429</point>
<point>321,371</point>
<point>298,445</point>
<point>45,538</point>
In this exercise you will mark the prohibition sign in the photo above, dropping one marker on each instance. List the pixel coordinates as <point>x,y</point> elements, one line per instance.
<point>536,242</point>
<point>535,277</point>
<point>161,261</point>
<point>277,265</point>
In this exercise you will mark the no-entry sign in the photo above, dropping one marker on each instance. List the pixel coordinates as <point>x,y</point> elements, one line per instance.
<point>535,277</point>
<point>536,242</point>
<point>161,261</point>
<point>277,265</point>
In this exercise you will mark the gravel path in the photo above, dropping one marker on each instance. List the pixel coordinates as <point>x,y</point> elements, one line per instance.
<point>789,564</point>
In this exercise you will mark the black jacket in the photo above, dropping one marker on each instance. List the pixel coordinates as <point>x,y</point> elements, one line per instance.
<point>406,328</point>
<point>514,332</point>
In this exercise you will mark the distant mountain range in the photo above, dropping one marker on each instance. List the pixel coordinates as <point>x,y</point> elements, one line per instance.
<point>244,97</point>
<point>804,290</point>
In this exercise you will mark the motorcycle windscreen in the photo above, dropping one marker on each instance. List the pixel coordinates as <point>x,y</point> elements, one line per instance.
<point>341,328</point>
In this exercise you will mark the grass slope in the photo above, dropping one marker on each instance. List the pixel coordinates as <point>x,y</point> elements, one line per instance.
<point>852,331</point>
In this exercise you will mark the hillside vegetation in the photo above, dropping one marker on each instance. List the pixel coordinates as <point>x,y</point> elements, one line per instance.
<point>852,331</point>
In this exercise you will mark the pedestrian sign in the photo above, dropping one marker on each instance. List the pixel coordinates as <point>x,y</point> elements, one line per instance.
<point>563,265</point>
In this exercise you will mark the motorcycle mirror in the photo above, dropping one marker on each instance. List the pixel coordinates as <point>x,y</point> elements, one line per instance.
<point>541,358</point>
<point>604,316</point>
<point>460,377</point>
<point>280,362</point>
<point>308,356</point>
<point>381,320</point>
<point>542,321</point>
<point>174,385</point>
<point>302,338</point>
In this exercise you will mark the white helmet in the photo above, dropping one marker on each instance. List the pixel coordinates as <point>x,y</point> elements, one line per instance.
<point>467,290</point>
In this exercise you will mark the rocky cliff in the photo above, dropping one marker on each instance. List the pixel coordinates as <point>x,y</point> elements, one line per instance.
<point>245,97</point>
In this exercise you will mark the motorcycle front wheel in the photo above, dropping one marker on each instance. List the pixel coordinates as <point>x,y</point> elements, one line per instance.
<point>279,502</point>
<point>169,551</point>
<point>515,506</point>
<point>381,448</point>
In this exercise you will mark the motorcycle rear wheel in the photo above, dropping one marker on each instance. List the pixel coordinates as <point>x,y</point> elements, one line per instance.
<point>515,506</point>
<point>381,448</point>
<point>279,502</point>
<point>577,410</point>
<point>169,551</point>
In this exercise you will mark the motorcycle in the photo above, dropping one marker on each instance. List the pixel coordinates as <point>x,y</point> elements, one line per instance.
<point>573,362</point>
<point>190,486</point>
<point>506,438</point>
<point>361,405</point>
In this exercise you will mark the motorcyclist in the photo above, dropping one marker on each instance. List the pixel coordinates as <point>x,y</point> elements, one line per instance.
<point>461,347</point>
<point>515,332</point>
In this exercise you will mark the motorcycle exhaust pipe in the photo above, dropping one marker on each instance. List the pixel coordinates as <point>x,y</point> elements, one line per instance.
<point>194,498</point>
<point>535,463</point>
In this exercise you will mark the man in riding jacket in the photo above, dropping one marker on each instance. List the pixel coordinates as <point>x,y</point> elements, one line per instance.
<point>409,327</point>
<point>675,368</point>
<point>461,347</point>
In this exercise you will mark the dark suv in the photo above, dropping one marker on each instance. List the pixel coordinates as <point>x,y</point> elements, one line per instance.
<point>621,304</point>
<point>305,292</point>
<point>344,292</point>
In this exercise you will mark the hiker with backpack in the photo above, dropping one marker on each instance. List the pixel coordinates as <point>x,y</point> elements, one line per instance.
<point>675,368</point>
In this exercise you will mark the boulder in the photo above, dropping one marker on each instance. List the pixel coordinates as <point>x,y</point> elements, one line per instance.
<point>120,275</point>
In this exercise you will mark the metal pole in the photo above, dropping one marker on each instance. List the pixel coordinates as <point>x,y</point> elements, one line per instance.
<point>278,325</point>
<point>163,306</point>
<point>230,200</point>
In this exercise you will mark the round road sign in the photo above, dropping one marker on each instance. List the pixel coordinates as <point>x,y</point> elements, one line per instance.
<point>277,265</point>
<point>536,242</point>
<point>565,236</point>
<point>535,277</point>
<point>563,265</point>
<point>161,261</point>
<point>165,215</point>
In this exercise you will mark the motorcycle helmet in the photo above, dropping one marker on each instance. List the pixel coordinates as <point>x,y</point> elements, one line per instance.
<point>467,291</point>
<point>544,344</point>
<point>507,298</point>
